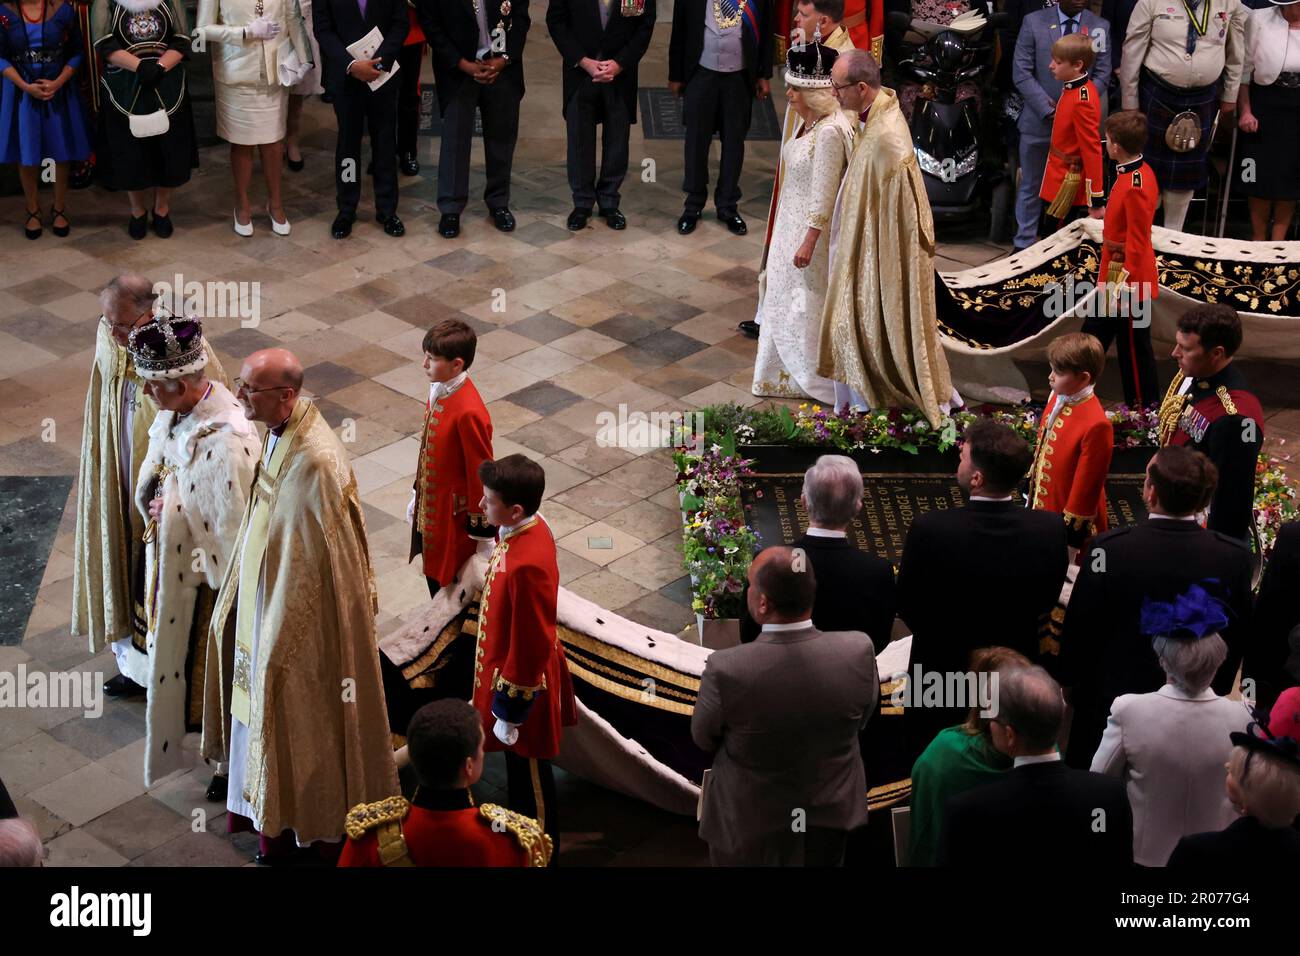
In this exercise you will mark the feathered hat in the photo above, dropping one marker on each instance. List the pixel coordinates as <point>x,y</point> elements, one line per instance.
<point>1194,614</point>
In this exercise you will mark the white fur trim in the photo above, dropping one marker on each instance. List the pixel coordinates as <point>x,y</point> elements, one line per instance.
<point>139,6</point>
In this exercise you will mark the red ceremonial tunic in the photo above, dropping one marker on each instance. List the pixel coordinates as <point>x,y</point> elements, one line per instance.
<point>1071,464</point>
<point>1076,144</point>
<point>442,828</point>
<point>457,438</point>
<point>1126,233</point>
<point>415,34</point>
<point>520,674</point>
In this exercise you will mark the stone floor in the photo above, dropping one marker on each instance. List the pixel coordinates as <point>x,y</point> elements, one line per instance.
<point>570,325</point>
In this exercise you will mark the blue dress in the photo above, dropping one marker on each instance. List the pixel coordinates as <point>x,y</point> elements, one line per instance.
<point>32,131</point>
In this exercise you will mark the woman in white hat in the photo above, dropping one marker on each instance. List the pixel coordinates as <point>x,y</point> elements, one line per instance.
<point>1268,112</point>
<point>812,163</point>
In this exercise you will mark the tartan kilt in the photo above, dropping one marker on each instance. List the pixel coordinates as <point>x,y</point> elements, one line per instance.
<point>1176,171</point>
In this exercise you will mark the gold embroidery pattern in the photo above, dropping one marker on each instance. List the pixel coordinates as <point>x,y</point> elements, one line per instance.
<point>1229,405</point>
<point>515,690</point>
<point>1247,286</point>
<point>498,555</point>
<point>615,655</point>
<point>571,656</point>
<point>1044,451</point>
<point>536,844</point>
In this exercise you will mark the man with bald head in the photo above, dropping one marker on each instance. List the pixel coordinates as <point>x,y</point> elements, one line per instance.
<point>781,717</point>
<point>107,582</point>
<point>293,698</point>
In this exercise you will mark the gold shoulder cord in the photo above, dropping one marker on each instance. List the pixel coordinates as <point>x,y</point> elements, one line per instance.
<point>1171,409</point>
<point>1229,405</point>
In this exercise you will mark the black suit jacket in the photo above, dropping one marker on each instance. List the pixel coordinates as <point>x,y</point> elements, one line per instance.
<point>337,23</point>
<point>855,591</point>
<point>1040,814</point>
<point>687,41</point>
<point>1277,614</point>
<point>1103,651</point>
<point>979,576</point>
<point>452,31</point>
<point>1244,839</point>
<point>575,27</point>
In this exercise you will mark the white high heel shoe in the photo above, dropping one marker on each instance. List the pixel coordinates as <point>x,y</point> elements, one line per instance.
<point>243,228</point>
<point>279,228</point>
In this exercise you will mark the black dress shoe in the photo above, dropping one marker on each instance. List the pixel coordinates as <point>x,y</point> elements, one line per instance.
<point>750,328</point>
<point>686,224</point>
<point>410,165</point>
<point>392,225</point>
<point>733,222</point>
<point>162,226</point>
<point>217,789</point>
<point>449,225</point>
<point>296,165</point>
<point>613,218</point>
<point>503,219</point>
<point>578,219</point>
<point>122,686</point>
<point>138,227</point>
<point>342,227</point>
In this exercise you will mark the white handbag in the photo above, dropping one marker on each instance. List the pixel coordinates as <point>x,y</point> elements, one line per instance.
<point>148,124</point>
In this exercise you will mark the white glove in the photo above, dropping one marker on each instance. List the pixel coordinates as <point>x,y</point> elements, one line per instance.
<point>505,732</point>
<point>410,509</point>
<point>262,29</point>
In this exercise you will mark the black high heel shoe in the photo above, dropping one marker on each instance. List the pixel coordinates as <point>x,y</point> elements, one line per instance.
<point>295,165</point>
<point>28,231</point>
<point>59,231</point>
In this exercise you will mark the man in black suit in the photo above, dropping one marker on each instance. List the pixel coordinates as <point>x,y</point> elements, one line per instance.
<point>1273,658</point>
<point>719,58</point>
<point>336,24</point>
<point>983,575</point>
<point>1103,651</point>
<point>601,41</point>
<point>1041,812</point>
<point>478,48</point>
<point>855,590</point>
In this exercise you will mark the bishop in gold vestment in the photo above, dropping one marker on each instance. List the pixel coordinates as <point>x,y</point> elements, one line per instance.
<point>293,697</point>
<point>114,440</point>
<point>880,332</point>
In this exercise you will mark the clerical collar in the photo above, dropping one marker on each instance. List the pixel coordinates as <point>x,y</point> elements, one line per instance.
<point>510,530</point>
<point>439,390</point>
<point>1075,83</point>
<point>825,533</point>
<point>1053,757</point>
<point>457,798</point>
<point>792,626</point>
<point>1155,517</point>
<point>1128,167</point>
<point>278,430</point>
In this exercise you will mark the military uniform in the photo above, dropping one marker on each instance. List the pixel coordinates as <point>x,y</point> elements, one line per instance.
<point>447,519</point>
<point>1071,462</point>
<point>442,828</point>
<point>1073,176</point>
<point>520,674</point>
<point>1127,257</point>
<point>1220,417</point>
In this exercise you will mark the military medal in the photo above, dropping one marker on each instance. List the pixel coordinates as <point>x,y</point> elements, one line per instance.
<point>632,8</point>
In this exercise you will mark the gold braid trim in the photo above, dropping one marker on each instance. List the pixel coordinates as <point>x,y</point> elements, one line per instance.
<point>1171,409</point>
<point>515,690</point>
<point>1229,405</point>
<point>535,843</point>
<point>1077,522</point>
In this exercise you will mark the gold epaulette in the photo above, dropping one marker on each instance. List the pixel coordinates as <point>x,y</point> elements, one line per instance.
<point>385,817</point>
<point>1229,405</point>
<point>527,832</point>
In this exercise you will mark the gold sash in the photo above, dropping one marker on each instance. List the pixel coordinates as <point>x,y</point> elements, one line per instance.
<point>260,502</point>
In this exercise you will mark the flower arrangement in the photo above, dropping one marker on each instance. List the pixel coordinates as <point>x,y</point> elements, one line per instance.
<point>719,546</point>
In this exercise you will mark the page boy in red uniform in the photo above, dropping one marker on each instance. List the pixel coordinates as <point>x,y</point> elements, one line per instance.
<point>1127,276</point>
<point>447,523</point>
<point>441,826</point>
<point>1075,440</point>
<point>522,687</point>
<point>1072,180</point>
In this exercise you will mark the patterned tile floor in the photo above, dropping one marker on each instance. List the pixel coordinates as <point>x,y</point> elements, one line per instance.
<point>571,325</point>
